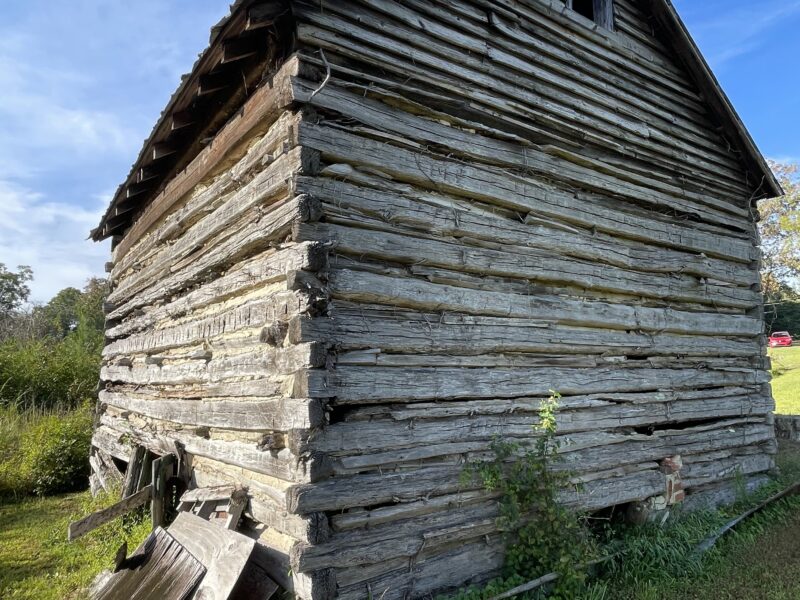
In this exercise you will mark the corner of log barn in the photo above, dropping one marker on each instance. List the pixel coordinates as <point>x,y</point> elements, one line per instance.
<point>349,258</point>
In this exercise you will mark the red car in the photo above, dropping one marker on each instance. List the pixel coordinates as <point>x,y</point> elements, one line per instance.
<point>780,338</point>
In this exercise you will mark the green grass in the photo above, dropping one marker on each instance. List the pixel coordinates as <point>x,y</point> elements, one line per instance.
<point>758,560</point>
<point>786,379</point>
<point>37,562</point>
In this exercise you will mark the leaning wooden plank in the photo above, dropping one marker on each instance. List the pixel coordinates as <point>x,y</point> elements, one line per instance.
<point>161,469</point>
<point>101,517</point>
<point>238,502</point>
<point>161,568</point>
<point>107,473</point>
<point>223,552</point>
<point>133,471</point>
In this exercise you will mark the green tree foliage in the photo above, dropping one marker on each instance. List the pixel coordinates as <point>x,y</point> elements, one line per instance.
<point>50,356</point>
<point>784,315</point>
<point>780,234</point>
<point>14,290</point>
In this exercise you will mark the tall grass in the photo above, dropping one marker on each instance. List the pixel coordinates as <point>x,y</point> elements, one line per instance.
<point>44,451</point>
<point>47,374</point>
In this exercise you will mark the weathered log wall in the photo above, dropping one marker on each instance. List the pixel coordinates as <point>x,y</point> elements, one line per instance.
<point>446,211</point>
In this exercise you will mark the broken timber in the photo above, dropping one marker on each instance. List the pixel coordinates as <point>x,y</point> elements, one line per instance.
<point>101,517</point>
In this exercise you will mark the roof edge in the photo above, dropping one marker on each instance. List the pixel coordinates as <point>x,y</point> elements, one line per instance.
<point>690,53</point>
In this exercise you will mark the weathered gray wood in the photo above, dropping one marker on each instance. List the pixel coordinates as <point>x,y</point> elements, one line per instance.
<point>107,473</point>
<point>91,522</point>
<point>362,326</point>
<point>269,414</point>
<point>466,205</point>
<point>162,469</point>
<point>238,502</point>
<point>134,471</point>
<point>531,265</point>
<point>447,216</point>
<point>221,492</point>
<point>282,464</point>
<point>224,553</point>
<point>414,293</point>
<point>160,568</point>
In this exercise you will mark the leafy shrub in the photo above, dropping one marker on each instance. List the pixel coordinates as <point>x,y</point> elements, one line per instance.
<point>542,535</point>
<point>55,453</point>
<point>44,453</point>
<point>48,374</point>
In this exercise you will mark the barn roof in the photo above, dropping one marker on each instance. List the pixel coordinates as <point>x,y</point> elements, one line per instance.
<point>232,66</point>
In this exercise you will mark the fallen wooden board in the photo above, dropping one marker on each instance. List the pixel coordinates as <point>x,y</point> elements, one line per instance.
<point>101,517</point>
<point>224,553</point>
<point>160,568</point>
<point>221,492</point>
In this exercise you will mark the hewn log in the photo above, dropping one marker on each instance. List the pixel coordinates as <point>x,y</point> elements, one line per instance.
<point>364,326</point>
<point>268,414</point>
<point>407,292</point>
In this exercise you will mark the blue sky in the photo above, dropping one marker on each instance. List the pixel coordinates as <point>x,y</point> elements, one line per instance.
<point>83,82</point>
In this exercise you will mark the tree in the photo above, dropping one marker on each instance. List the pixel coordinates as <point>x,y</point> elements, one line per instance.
<point>59,317</point>
<point>780,234</point>
<point>14,290</point>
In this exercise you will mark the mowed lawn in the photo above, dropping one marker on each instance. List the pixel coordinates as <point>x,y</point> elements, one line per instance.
<point>786,379</point>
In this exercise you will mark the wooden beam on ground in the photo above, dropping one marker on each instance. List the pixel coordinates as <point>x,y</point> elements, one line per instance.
<point>101,517</point>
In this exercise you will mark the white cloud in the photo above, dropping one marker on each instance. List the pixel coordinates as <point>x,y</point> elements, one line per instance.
<point>81,84</point>
<point>50,237</point>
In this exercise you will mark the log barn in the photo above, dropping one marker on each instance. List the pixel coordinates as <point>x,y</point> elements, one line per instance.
<point>366,237</point>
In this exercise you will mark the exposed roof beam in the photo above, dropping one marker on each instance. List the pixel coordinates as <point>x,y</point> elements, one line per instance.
<point>242,47</point>
<point>264,14</point>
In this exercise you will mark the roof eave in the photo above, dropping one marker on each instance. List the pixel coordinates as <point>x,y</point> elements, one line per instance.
<point>690,53</point>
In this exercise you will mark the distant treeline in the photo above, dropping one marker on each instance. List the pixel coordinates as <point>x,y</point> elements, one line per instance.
<point>784,316</point>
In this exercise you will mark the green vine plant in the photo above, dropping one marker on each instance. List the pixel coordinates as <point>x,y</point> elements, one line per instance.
<point>542,535</point>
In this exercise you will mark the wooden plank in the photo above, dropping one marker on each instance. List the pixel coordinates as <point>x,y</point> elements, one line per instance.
<point>133,472</point>
<point>101,517</point>
<point>162,468</point>
<point>238,502</point>
<point>160,568</point>
<point>221,492</point>
<point>223,552</point>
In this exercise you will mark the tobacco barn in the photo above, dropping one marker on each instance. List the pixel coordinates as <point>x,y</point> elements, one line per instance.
<point>366,237</point>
